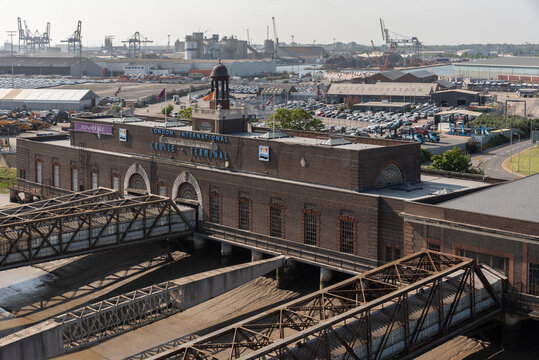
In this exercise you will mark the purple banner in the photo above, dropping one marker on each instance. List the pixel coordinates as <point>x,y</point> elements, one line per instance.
<point>93,128</point>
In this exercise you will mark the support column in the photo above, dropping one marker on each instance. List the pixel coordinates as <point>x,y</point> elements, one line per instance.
<point>285,275</point>
<point>226,253</point>
<point>13,196</point>
<point>326,275</point>
<point>256,255</point>
<point>226,249</point>
<point>512,331</point>
<point>199,244</point>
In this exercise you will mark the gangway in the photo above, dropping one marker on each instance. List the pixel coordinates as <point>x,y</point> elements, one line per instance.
<point>85,222</point>
<point>397,310</point>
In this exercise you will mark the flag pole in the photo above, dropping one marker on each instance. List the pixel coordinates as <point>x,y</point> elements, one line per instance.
<point>165,107</point>
<point>273,122</point>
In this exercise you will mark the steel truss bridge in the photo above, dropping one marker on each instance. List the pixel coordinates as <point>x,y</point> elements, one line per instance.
<point>87,221</point>
<point>394,311</point>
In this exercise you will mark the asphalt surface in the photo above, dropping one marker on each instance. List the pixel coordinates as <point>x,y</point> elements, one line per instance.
<point>491,160</point>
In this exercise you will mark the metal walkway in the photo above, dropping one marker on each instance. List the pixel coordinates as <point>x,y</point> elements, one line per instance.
<point>83,222</point>
<point>395,311</point>
<point>317,256</point>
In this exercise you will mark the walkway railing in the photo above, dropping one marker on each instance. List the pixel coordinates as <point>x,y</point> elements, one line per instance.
<point>305,253</point>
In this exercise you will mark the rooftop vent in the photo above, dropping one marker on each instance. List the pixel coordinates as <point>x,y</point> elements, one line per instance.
<point>131,119</point>
<point>336,141</point>
<point>273,135</point>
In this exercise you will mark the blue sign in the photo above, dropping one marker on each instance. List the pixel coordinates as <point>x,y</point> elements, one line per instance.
<point>263,153</point>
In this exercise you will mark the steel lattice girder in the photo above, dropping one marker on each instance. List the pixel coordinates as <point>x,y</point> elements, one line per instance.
<point>40,209</point>
<point>317,321</point>
<point>24,239</point>
<point>117,315</point>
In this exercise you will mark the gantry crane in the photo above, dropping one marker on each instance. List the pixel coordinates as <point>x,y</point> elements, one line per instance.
<point>134,44</point>
<point>31,40</point>
<point>74,42</point>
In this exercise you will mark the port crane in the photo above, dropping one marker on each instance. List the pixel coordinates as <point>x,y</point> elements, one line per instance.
<point>275,37</point>
<point>134,44</point>
<point>33,40</point>
<point>74,42</point>
<point>393,39</point>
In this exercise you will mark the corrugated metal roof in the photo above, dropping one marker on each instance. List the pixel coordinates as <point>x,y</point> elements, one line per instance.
<point>422,74</point>
<point>40,61</point>
<point>45,95</point>
<point>385,88</point>
<point>532,61</point>
<point>516,200</point>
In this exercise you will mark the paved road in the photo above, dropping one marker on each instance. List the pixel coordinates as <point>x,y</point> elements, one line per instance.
<point>491,160</point>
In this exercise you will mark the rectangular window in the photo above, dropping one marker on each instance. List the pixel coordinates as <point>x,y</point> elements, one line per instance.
<point>310,227</point>
<point>39,172</point>
<point>115,183</point>
<point>94,180</point>
<point>496,262</point>
<point>433,247</point>
<point>276,220</point>
<point>22,174</point>
<point>56,175</point>
<point>215,208</point>
<point>74,179</point>
<point>244,214</point>
<point>347,235</point>
<point>389,253</point>
<point>397,253</point>
<point>533,278</point>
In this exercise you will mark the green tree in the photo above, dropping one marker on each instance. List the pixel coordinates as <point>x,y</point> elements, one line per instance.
<point>185,113</point>
<point>115,108</point>
<point>426,155</point>
<point>168,109</point>
<point>297,119</point>
<point>452,160</point>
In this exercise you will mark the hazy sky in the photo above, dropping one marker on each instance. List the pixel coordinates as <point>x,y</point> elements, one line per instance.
<point>432,21</point>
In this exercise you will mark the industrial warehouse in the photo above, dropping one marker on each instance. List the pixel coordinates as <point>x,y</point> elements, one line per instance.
<point>47,99</point>
<point>510,68</point>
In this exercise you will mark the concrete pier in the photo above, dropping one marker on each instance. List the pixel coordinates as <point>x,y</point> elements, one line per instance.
<point>326,275</point>
<point>285,274</point>
<point>199,244</point>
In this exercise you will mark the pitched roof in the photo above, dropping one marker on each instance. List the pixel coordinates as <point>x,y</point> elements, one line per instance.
<point>445,84</point>
<point>41,61</point>
<point>516,200</point>
<point>422,74</point>
<point>46,95</point>
<point>393,74</point>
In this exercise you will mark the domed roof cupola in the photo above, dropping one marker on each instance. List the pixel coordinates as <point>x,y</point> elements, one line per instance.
<point>219,87</point>
<point>219,70</point>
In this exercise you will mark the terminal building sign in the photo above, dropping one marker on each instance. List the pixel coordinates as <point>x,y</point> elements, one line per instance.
<point>189,135</point>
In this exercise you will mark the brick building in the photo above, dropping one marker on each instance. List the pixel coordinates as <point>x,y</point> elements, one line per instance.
<point>354,195</point>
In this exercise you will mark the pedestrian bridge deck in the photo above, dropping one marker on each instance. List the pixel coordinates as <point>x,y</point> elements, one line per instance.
<point>83,222</point>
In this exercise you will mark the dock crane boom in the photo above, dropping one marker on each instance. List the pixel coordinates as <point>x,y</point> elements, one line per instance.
<point>276,38</point>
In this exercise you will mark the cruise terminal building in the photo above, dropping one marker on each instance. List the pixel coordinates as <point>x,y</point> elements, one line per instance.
<point>357,196</point>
